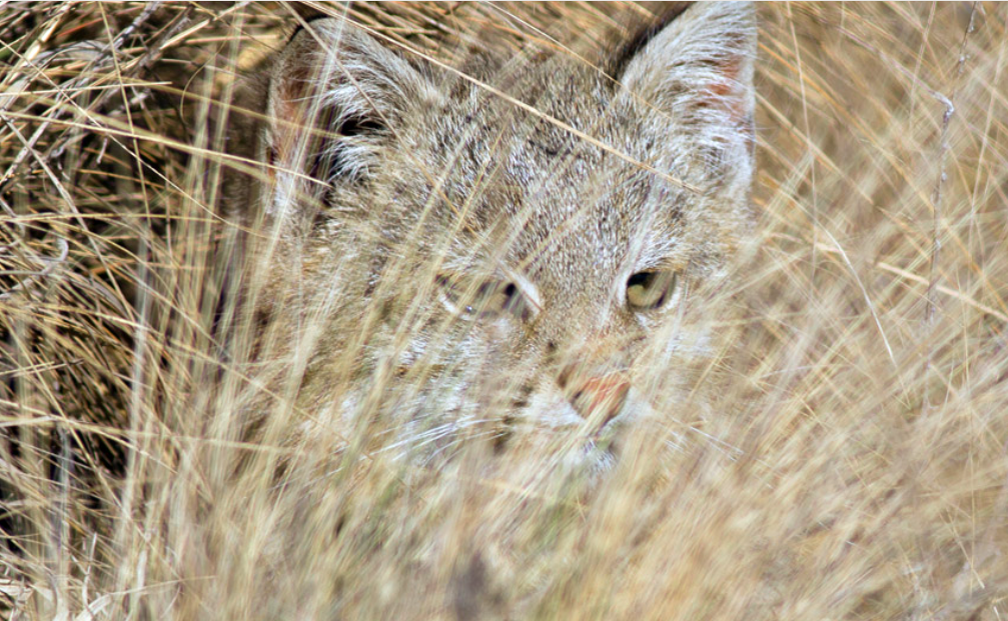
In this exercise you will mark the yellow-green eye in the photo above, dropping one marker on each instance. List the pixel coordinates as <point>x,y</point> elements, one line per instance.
<point>469,300</point>
<point>650,290</point>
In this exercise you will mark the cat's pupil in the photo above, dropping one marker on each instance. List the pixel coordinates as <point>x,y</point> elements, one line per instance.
<point>649,290</point>
<point>640,279</point>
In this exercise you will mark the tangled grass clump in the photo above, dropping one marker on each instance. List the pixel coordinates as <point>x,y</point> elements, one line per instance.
<point>855,467</point>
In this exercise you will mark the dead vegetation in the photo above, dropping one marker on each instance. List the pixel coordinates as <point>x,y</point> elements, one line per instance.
<point>855,469</point>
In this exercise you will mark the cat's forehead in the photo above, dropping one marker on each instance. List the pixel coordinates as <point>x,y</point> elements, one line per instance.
<point>585,210</point>
<point>533,175</point>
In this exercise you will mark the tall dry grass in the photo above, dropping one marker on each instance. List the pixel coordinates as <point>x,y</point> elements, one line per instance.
<point>854,466</point>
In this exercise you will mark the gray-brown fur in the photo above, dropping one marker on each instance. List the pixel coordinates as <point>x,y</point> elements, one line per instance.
<point>398,192</point>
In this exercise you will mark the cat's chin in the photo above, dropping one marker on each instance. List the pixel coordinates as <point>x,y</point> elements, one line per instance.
<point>572,443</point>
<point>591,458</point>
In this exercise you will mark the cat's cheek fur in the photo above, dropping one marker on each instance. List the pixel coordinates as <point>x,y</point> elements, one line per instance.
<point>422,171</point>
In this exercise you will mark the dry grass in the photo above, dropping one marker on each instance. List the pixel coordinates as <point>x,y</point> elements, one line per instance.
<point>856,466</point>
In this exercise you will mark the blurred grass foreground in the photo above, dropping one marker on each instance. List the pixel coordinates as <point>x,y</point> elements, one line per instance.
<point>856,467</point>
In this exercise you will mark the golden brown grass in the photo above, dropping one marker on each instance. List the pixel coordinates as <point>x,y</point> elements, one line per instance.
<point>855,468</point>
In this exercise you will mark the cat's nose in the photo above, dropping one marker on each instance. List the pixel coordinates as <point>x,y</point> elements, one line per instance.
<point>598,397</point>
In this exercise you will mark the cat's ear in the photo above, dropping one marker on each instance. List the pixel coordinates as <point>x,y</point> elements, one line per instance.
<point>697,68</point>
<point>335,96</point>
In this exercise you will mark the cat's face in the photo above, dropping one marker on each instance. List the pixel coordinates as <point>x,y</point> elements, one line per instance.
<point>534,241</point>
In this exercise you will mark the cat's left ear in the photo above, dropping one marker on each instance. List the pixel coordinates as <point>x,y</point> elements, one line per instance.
<point>698,69</point>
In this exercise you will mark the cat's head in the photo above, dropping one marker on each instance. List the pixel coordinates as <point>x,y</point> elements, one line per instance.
<point>528,236</point>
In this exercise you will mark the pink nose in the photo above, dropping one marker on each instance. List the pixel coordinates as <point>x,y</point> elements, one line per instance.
<point>601,397</point>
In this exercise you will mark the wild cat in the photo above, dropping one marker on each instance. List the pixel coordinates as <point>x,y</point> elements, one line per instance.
<point>517,242</point>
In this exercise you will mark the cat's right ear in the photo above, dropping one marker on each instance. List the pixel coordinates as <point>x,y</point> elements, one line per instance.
<point>335,96</point>
<point>697,70</point>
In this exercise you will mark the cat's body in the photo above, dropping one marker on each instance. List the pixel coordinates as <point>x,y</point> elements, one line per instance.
<point>526,239</point>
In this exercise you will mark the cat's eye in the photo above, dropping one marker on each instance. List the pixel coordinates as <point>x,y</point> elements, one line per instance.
<point>469,300</point>
<point>651,289</point>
